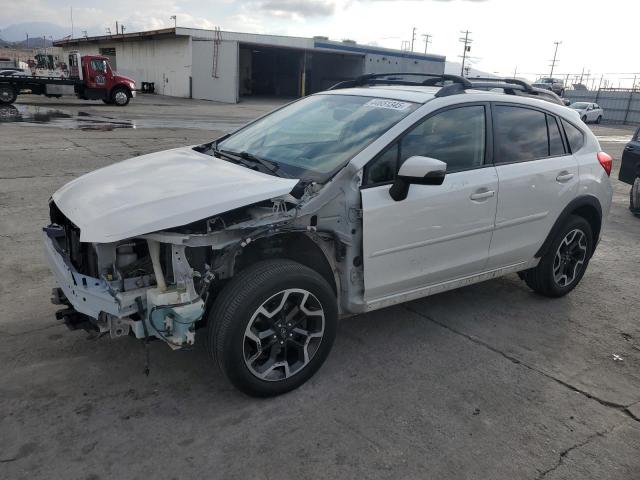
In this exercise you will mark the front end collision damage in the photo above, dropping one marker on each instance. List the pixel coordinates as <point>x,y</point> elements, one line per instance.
<point>161,284</point>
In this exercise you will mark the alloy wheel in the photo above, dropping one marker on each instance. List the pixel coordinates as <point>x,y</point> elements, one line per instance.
<point>570,257</point>
<point>283,334</point>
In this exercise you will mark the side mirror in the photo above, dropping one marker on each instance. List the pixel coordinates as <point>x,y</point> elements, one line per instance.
<point>419,171</point>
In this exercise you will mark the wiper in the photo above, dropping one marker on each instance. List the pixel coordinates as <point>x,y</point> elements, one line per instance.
<point>270,165</point>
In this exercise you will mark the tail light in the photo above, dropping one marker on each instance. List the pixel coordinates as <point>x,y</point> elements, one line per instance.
<point>606,161</point>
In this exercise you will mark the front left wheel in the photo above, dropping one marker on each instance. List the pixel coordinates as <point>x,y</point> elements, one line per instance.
<point>272,327</point>
<point>120,96</point>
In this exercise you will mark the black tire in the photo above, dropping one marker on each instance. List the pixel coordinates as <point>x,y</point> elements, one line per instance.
<point>541,279</point>
<point>8,94</point>
<point>634,197</point>
<point>599,119</point>
<point>240,301</point>
<point>120,96</point>
<point>584,119</point>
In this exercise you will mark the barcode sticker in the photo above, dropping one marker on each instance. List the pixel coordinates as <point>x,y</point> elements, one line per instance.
<point>390,104</point>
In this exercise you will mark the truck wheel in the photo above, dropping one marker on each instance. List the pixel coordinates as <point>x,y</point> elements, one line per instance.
<point>634,197</point>
<point>8,94</point>
<point>120,96</point>
<point>561,268</point>
<point>272,327</point>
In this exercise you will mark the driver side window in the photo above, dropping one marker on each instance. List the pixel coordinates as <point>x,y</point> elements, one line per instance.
<point>455,136</point>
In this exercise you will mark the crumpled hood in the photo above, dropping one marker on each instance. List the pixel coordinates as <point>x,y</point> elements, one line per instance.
<point>159,191</point>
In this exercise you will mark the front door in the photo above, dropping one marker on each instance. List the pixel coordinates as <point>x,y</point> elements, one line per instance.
<point>97,73</point>
<point>439,232</point>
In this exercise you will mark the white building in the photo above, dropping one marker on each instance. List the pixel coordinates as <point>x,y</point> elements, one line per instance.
<point>226,66</point>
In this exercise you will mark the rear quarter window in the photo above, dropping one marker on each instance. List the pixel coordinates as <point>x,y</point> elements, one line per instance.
<point>574,136</point>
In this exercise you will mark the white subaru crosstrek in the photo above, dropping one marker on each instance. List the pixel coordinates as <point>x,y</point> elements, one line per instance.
<point>379,191</point>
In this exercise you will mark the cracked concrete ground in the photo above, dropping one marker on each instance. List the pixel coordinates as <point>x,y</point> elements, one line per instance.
<point>486,382</point>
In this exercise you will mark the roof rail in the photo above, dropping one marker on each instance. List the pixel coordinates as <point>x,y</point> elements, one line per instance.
<point>379,79</point>
<point>514,81</point>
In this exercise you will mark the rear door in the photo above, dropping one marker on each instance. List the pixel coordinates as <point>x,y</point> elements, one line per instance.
<point>538,177</point>
<point>439,232</point>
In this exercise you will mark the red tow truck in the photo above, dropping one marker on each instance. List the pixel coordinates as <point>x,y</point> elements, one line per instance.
<point>89,77</point>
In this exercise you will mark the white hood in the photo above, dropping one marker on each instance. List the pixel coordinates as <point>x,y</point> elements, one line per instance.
<point>161,190</point>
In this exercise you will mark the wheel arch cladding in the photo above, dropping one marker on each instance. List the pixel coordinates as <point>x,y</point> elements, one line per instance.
<point>292,246</point>
<point>587,207</point>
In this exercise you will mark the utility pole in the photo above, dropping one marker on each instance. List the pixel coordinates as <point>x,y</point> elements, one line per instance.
<point>581,75</point>
<point>427,41</point>
<point>555,56</point>
<point>71,13</point>
<point>413,37</point>
<point>175,21</point>
<point>515,72</point>
<point>467,48</point>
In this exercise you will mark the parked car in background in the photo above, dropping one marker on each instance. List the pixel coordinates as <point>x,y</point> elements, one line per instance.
<point>630,171</point>
<point>589,112</point>
<point>556,85</point>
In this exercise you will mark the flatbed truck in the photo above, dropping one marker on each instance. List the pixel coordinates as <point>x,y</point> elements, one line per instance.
<point>90,77</point>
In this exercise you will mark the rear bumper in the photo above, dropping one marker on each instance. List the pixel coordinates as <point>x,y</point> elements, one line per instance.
<point>89,296</point>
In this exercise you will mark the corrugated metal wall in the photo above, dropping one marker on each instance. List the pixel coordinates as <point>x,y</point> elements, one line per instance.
<point>621,106</point>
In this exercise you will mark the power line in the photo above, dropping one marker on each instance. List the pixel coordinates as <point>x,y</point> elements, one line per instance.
<point>467,48</point>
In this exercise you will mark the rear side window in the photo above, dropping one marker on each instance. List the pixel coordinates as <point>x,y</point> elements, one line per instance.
<point>556,147</point>
<point>574,135</point>
<point>520,134</point>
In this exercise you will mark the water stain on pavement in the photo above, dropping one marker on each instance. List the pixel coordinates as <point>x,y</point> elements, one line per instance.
<point>39,116</point>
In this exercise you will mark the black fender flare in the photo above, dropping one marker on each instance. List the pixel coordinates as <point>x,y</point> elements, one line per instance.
<point>579,204</point>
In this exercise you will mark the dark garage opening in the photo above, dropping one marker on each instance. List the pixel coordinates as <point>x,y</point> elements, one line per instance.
<point>291,73</point>
<point>268,71</point>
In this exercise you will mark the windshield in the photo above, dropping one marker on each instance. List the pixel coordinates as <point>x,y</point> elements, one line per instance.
<point>314,137</point>
<point>579,105</point>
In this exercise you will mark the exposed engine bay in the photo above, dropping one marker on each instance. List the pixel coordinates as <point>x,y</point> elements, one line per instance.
<point>160,284</point>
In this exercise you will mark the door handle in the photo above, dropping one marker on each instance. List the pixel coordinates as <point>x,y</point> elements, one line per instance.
<point>564,176</point>
<point>482,194</point>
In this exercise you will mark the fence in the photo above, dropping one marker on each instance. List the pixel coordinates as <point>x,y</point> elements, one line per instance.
<point>620,105</point>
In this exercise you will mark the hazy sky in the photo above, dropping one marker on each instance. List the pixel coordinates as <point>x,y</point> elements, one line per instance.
<point>601,36</point>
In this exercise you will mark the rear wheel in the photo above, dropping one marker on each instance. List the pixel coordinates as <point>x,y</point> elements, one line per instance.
<point>8,94</point>
<point>272,327</point>
<point>561,268</point>
<point>120,96</point>
<point>634,197</point>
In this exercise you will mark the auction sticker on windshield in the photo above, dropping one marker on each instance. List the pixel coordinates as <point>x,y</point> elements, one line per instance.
<point>390,104</point>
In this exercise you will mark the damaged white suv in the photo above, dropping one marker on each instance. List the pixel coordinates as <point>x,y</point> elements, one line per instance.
<point>379,191</point>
